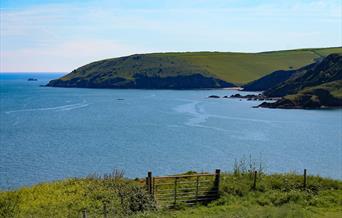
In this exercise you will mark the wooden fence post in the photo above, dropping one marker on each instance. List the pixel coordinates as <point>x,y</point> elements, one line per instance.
<point>217,180</point>
<point>197,186</point>
<point>153,187</point>
<point>149,179</point>
<point>105,212</point>
<point>84,213</point>
<point>304,183</point>
<point>254,179</point>
<point>175,197</point>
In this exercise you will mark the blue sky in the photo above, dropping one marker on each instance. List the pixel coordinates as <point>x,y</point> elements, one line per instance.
<point>52,36</point>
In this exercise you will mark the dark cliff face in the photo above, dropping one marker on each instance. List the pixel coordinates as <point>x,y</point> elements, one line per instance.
<point>327,70</point>
<point>139,81</point>
<point>90,83</point>
<point>281,83</point>
<point>269,80</point>
<point>194,81</point>
<point>315,86</point>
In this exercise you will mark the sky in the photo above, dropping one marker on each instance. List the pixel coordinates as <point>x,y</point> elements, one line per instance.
<point>59,36</point>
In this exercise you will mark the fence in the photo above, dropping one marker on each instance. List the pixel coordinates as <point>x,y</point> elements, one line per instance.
<point>168,191</point>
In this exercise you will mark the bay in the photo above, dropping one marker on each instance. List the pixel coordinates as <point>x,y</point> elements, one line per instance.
<point>54,133</point>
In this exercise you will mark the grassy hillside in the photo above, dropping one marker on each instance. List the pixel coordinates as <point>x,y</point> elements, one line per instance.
<point>326,94</point>
<point>237,68</point>
<point>241,68</point>
<point>327,70</point>
<point>313,86</point>
<point>277,195</point>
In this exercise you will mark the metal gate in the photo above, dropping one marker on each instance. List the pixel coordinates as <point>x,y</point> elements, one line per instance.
<point>169,191</point>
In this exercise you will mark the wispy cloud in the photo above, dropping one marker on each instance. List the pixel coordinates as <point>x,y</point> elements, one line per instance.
<point>62,57</point>
<point>61,37</point>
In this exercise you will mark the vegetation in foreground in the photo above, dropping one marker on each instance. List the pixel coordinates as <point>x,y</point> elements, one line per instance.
<point>276,195</point>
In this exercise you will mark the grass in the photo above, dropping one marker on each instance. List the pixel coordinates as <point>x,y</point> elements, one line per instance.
<point>241,68</point>
<point>276,195</point>
<point>247,211</point>
<point>238,68</point>
<point>334,88</point>
<point>69,197</point>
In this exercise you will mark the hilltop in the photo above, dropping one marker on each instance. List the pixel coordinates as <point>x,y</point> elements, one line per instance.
<point>188,70</point>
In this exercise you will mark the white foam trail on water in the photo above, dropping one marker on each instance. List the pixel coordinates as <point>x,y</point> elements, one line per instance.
<point>239,118</point>
<point>74,107</point>
<point>200,116</point>
<point>193,109</point>
<point>58,108</point>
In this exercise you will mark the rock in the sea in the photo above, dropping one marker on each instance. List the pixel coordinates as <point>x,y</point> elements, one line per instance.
<point>249,97</point>
<point>236,96</point>
<point>282,103</point>
<point>214,96</point>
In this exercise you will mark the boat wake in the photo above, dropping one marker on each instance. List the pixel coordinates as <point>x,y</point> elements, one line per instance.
<point>67,107</point>
<point>193,108</point>
<point>200,116</point>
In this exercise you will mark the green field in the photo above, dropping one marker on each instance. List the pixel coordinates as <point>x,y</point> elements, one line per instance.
<point>276,195</point>
<point>237,68</point>
<point>240,68</point>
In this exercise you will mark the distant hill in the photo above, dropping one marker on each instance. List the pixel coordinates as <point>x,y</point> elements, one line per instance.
<point>313,86</point>
<point>189,70</point>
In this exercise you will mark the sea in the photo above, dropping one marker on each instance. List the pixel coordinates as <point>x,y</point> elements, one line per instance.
<point>49,134</point>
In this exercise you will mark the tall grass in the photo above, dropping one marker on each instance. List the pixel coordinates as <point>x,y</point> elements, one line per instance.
<point>276,195</point>
<point>68,198</point>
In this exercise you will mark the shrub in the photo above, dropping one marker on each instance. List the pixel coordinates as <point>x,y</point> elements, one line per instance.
<point>9,204</point>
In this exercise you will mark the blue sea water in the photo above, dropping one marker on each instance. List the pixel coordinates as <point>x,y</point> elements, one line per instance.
<point>53,133</point>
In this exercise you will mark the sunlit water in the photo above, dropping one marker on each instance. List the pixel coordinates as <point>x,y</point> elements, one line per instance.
<point>54,133</point>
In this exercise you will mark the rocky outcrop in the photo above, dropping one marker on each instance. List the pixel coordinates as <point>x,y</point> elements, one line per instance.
<point>314,86</point>
<point>194,81</point>
<point>139,81</point>
<point>318,98</point>
<point>259,97</point>
<point>213,96</point>
<point>326,70</point>
<point>90,83</point>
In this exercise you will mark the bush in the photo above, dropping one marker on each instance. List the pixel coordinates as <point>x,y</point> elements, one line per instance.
<point>68,198</point>
<point>122,197</point>
<point>9,204</point>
